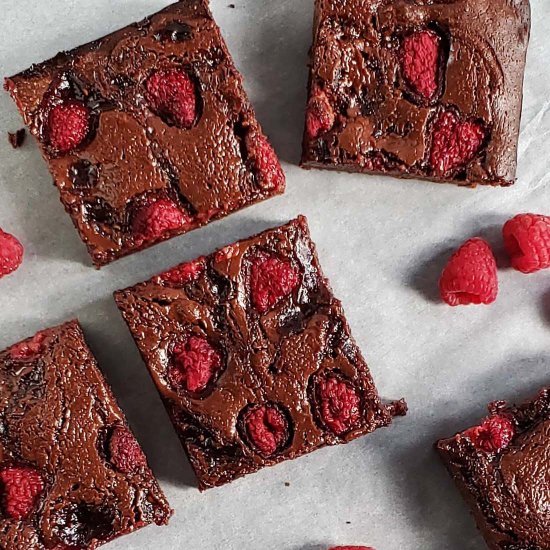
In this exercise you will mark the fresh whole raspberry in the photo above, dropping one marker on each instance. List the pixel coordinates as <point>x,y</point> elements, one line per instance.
<point>271,279</point>
<point>268,168</point>
<point>21,487</point>
<point>339,404</point>
<point>172,96</point>
<point>493,435</point>
<point>470,276</point>
<point>183,274</point>
<point>320,115</point>
<point>125,454</point>
<point>527,241</point>
<point>156,218</point>
<point>195,363</point>
<point>420,58</point>
<point>454,143</point>
<point>11,253</point>
<point>30,348</point>
<point>267,429</point>
<point>68,125</point>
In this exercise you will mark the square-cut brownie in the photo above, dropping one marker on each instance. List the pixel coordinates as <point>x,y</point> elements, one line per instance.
<point>417,88</point>
<point>72,475</point>
<point>502,468</point>
<point>148,132</point>
<point>252,355</point>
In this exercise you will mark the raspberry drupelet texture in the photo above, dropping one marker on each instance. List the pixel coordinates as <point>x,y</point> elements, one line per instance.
<point>195,363</point>
<point>470,276</point>
<point>271,279</point>
<point>172,96</point>
<point>340,404</point>
<point>493,435</point>
<point>68,125</point>
<point>11,253</point>
<point>420,58</point>
<point>267,429</point>
<point>527,241</point>
<point>156,218</point>
<point>30,349</point>
<point>320,115</point>
<point>270,175</point>
<point>454,143</point>
<point>183,274</point>
<point>21,488</point>
<point>124,451</point>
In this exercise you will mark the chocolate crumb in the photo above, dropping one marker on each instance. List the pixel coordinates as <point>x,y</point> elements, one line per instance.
<point>232,6</point>
<point>287,484</point>
<point>348,522</point>
<point>17,138</point>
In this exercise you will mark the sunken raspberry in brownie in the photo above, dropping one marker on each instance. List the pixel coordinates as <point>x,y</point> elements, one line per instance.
<point>417,88</point>
<point>502,469</point>
<point>148,132</point>
<point>252,356</point>
<point>72,475</point>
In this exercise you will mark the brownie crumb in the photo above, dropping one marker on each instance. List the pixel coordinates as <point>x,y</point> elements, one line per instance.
<point>17,138</point>
<point>232,6</point>
<point>287,484</point>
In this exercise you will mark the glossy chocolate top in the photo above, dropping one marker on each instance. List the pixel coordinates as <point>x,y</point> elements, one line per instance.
<point>58,419</point>
<point>385,120</point>
<point>509,487</point>
<point>277,349</point>
<point>135,151</point>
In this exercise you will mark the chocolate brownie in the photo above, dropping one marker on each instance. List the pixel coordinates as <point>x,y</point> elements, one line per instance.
<point>72,475</point>
<point>502,467</point>
<point>426,89</point>
<point>148,132</point>
<point>252,356</point>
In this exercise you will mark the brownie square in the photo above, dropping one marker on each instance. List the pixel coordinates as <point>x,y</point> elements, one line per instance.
<point>252,356</point>
<point>148,132</point>
<point>502,468</point>
<point>427,89</point>
<point>72,475</point>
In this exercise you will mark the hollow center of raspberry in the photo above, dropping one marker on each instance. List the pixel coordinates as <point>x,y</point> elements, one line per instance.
<point>195,363</point>
<point>340,404</point>
<point>267,428</point>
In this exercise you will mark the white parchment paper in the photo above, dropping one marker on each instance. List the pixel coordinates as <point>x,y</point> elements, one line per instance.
<point>381,241</point>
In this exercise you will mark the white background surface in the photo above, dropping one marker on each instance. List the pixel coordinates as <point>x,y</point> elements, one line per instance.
<point>381,241</point>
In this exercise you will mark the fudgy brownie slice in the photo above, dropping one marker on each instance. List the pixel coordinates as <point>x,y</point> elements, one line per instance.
<point>502,468</point>
<point>417,88</point>
<point>148,132</point>
<point>253,356</point>
<point>72,475</point>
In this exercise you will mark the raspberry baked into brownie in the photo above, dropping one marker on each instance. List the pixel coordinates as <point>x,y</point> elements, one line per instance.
<point>252,356</point>
<point>502,468</point>
<point>417,88</point>
<point>148,132</point>
<point>72,475</point>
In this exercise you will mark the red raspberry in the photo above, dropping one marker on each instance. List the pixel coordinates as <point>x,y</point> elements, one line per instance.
<point>195,364</point>
<point>527,241</point>
<point>68,125</point>
<point>183,274</point>
<point>470,276</point>
<point>29,349</point>
<point>11,253</point>
<point>124,451</point>
<point>21,488</point>
<point>267,428</point>
<point>320,115</point>
<point>271,279</point>
<point>493,435</point>
<point>420,55</point>
<point>270,174</point>
<point>339,404</point>
<point>454,143</point>
<point>172,95</point>
<point>156,218</point>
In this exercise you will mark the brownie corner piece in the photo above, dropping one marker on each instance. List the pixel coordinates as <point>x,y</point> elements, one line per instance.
<point>148,132</point>
<point>421,89</point>
<point>501,467</point>
<point>252,355</point>
<point>72,473</point>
